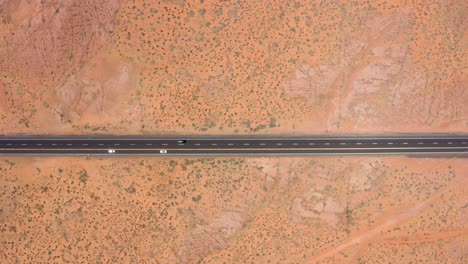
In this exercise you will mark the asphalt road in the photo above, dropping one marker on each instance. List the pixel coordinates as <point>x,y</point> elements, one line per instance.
<point>163,146</point>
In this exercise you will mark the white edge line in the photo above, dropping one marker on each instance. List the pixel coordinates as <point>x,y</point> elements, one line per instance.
<point>240,155</point>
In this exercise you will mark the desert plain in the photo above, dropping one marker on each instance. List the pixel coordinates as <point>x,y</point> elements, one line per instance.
<point>205,67</point>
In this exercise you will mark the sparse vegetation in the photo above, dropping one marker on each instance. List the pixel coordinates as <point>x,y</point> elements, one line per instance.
<point>224,67</point>
<point>221,196</point>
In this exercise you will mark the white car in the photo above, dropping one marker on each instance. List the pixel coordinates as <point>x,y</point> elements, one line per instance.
<point>111,151</point>
<point>163,151</point>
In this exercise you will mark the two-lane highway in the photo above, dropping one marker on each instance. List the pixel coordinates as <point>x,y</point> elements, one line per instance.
<point>186,145</point>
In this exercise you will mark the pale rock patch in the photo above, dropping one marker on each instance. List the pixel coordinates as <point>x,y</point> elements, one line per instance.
<point>315,204</point>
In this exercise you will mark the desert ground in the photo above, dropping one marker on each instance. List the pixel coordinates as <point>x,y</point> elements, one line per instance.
<point>206,67</point>
<point>234,210</point>
<point>232,67</point>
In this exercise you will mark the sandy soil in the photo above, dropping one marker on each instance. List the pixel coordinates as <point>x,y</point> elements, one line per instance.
<point>233,67</point>
<point>224,67</point>
<point>234,210</point>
